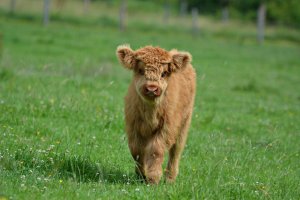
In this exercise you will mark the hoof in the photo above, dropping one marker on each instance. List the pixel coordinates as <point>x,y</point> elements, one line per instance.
<point>152,181</point>
<point>170,180</point>
<point>153,178</point>
<point>170,177</point>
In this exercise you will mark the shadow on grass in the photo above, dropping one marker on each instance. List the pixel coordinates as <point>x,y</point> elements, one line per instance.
<point>82,169</point>
<point>78,168</point>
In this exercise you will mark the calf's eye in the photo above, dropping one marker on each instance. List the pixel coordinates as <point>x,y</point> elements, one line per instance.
<point>141,72</point>
<point>164,74</point>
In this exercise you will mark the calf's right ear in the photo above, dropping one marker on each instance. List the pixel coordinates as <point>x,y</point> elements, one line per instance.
<point>126,56</point>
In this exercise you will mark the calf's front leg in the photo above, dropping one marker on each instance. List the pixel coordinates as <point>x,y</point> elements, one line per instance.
<point>153,159</point>
<point>138,156</point>
<point>175,153</point>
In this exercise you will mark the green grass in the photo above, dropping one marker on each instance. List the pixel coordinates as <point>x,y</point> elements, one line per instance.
<point>61,114</point>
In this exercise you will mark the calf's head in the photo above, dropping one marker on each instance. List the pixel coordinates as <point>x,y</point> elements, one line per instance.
<point>152,66</point>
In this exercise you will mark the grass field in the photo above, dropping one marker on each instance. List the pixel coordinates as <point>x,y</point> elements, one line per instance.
<point>61,113</point>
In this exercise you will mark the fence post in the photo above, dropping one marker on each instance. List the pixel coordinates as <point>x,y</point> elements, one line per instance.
<point>225,10</point>
<point>86,5</point>
<point>183,8</point>
<point>261,18</point>
<point>195,17</point>
<point>166,15</point>
<point>12,6</point>
<point>122,15</point>
<point>46,12</point>
<point>225,14</point>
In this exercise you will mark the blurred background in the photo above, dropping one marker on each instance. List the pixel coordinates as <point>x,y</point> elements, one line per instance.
<point>248,19</point>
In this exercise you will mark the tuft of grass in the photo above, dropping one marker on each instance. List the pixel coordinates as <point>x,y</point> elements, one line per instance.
<point>248,87</point>
<point>6,74</point>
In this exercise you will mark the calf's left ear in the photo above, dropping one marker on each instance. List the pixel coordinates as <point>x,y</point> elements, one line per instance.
<point>180,60</point>
<point>126,56</point>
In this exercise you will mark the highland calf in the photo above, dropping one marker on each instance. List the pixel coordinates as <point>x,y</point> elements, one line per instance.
<point>158,107</point>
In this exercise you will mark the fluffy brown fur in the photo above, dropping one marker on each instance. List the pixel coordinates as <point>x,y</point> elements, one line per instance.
<point>158,107</point>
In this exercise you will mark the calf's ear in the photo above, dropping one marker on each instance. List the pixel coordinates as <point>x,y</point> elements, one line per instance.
<point>126,56</point>
<point>180,60</point>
